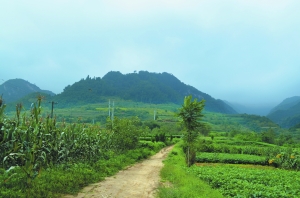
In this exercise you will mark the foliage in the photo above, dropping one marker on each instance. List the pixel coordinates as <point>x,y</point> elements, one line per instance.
<point>125,133</point>
<point>190,113</point>
<point>238,122</point>
<point>71,177</point>
<point>250,181</point>
<point>146,87</point>
<point>238,147</point>
<point>179,182</point>
<point>268,136</point>
<point>33,145</point>
<point>287,116</point>
<point>286,160</point>
<point>231,158</point>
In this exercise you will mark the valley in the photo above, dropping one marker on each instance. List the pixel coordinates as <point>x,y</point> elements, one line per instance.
<point>92,136</point>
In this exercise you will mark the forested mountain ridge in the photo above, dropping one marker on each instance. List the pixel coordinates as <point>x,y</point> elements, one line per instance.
<point>286,104</point>
<point>14,89</point>
<point>287,113</point>
<point>143,86</point>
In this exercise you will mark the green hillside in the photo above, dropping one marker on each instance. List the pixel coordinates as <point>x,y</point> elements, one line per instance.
<point>286,117</point>
<point>13,90</point>
<point>146,87</point>
<point>286,104</point>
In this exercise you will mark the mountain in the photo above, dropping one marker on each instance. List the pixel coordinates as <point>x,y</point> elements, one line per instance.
<point>13,90</point>
<point>286,104</point>
<point>249,109</point>
<point>287,113</point>
<point>140,87</point>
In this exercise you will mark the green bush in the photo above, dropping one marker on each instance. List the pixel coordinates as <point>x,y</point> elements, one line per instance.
<point>286,160</point>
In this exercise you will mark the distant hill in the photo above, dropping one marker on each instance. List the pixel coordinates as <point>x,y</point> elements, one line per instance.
<point>286,104</point>
<point>249,109</point>
<point>143,86</point>
<point>287,113</point>
<point>15,89</point>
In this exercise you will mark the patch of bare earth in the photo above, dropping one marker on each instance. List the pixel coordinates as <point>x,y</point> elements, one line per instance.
<point>140,180</point>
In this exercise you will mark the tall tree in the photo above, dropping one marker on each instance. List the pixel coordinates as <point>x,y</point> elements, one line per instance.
<point>190,114</point>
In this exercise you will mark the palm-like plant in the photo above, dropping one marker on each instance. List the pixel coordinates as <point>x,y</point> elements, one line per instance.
<point>190,114</point>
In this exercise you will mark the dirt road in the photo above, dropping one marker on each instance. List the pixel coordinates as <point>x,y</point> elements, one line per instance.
<point>140,180</point>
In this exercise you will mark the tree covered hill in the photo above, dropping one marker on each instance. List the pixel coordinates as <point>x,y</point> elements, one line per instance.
<point>287,113</point>
<point>143,86</point>
<point>286,104</point>
<point>14,89</point>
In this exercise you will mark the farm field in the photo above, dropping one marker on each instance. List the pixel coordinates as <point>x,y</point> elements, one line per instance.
<point>45,156</point>
<point>250,169</point>
<point>249,181</point>
<point>232,175</point>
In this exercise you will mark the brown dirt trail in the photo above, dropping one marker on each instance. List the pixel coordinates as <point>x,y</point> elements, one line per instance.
<point>140,180</point>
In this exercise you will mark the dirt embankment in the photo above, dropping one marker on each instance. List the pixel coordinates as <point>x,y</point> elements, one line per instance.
<point>140,180</point>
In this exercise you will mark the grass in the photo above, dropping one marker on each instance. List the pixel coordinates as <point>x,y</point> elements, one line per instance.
<point>178,181</point>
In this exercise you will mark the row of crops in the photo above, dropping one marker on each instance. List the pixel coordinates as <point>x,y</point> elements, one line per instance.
<point>250,169</point>
<point>249,153</point>
<point>32,146</point>
<point>250,181</point>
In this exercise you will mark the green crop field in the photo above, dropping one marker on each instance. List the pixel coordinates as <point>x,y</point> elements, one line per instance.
<point>46,155</point>
<point>250,181</point>
<point>45,158</point>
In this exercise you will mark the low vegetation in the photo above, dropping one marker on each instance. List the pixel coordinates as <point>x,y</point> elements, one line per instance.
<point>250,181</point>
<point>42,158</point>
<point>234,157</point>
<point>179,182</point>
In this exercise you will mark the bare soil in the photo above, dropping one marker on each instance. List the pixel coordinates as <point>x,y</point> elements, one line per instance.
<point>140,180</point>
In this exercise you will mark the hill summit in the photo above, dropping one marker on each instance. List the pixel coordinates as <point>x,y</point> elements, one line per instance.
<point>14,89</point>
<point>140,87</point>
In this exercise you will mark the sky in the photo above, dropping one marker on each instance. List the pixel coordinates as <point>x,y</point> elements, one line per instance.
<point>241,51</point>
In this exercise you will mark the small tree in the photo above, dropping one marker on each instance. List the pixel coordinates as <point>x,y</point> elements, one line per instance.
<point>191,114</point>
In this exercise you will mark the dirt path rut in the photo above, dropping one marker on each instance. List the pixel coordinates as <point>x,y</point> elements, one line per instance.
<point>140,180</point>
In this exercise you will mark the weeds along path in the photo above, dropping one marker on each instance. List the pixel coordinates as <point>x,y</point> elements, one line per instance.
<point>140,180</point>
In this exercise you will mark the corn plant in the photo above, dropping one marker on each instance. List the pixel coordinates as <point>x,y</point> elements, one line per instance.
<point>33,142</point>
<point>25,146</point>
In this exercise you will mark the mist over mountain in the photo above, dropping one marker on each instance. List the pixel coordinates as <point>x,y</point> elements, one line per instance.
<point>249,109</point>
<point>287,113</point>
<point>286,104</point>
<point>143,86</point>
<point>14,89</point>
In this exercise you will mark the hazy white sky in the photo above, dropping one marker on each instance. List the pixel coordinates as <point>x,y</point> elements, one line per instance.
<point>244,51</point>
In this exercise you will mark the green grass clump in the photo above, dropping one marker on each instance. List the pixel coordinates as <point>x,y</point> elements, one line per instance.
<point>178,181</point>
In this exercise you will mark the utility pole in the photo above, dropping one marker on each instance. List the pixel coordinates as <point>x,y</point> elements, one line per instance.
<point>109,108</point>
<point>52,104</point>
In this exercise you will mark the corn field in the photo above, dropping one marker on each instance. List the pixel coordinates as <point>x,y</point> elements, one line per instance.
<point>33,142</point>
